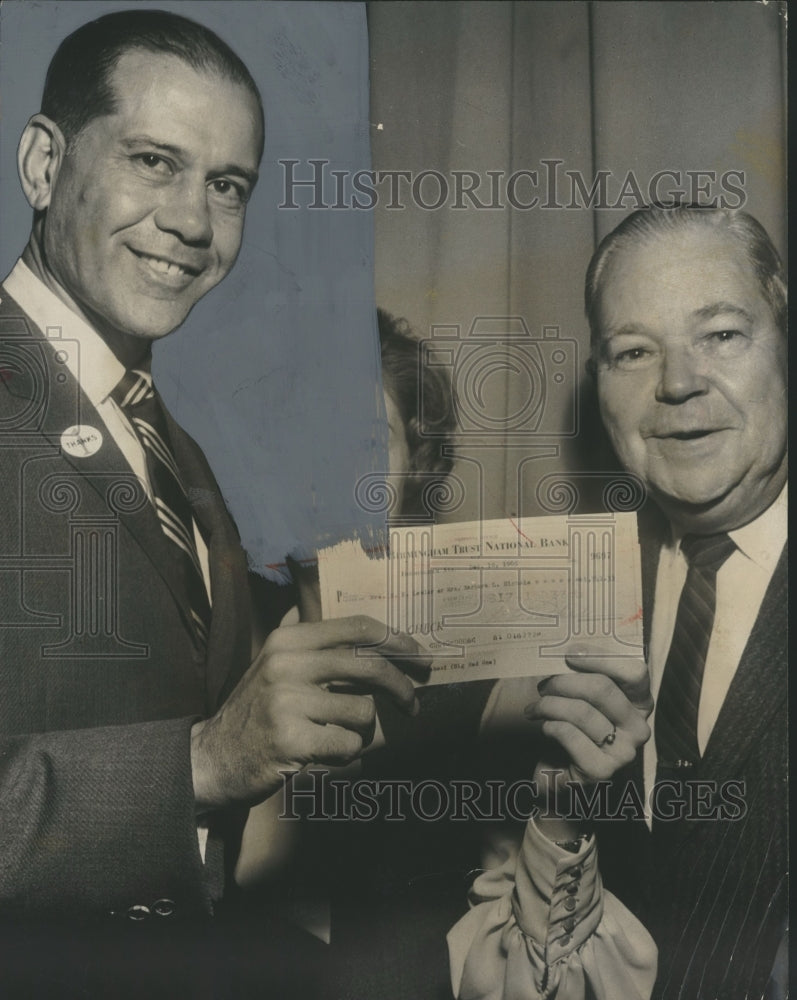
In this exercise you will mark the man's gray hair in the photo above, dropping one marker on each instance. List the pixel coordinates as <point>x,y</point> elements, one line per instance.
<point>655,220</point>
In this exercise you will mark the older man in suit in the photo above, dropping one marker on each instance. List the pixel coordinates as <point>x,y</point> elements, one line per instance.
<point>131,722</point>
<point>687,308</point>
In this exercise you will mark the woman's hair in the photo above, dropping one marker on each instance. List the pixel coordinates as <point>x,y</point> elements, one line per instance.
<point>423,398</point>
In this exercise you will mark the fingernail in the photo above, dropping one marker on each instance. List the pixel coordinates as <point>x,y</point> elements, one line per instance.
<point>416,706</point>
<point>542,684</point>
<point>530,710</point>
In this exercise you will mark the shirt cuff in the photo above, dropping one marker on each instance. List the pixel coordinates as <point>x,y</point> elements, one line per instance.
<point>557,899</point>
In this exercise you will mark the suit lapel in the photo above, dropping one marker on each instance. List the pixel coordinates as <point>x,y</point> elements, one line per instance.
<point>758,688</point>
<point>106,483</point>
<point>229,643</point>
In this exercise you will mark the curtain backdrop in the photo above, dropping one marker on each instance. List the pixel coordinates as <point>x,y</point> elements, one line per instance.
<point>555,88</point>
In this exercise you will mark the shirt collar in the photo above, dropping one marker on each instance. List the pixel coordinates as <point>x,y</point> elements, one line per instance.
<point>87,356</point>
<point>762,540</point>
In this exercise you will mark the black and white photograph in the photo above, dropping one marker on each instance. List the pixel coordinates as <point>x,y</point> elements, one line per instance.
<point>393,500</point>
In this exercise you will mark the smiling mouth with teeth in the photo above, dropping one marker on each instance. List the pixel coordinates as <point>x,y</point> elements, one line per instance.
<point>163,266</point>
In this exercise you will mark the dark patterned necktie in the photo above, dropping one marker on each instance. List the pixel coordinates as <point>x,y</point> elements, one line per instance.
<point>679,695</point>
<point>136,397</point>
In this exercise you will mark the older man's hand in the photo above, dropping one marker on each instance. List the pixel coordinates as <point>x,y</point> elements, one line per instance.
<point>304,700</point>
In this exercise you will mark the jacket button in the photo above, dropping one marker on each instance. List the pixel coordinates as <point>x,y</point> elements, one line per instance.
<point>138,912</point>
<point>570,903</point>
<point>163,907</point>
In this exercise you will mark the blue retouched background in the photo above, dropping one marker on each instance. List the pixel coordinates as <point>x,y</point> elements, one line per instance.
<point>275,372</point>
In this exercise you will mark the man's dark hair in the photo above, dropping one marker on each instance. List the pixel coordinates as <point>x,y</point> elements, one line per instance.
<point>401,376</point>
<point>655,220</point>
<point>78,85</point>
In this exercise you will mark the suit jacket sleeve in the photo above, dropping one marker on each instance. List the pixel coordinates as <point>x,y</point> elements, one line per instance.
<point>99,820</point>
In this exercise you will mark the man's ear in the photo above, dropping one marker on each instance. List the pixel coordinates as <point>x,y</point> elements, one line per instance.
<point>41,153</point>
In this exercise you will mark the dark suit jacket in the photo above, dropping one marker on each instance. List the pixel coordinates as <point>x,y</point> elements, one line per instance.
<point>714,893</point>
<point>99,679</point>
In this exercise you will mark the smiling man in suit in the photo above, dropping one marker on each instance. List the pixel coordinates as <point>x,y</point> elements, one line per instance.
<point>687,309</point>
<point>688,312</point>
<point>132,724</point>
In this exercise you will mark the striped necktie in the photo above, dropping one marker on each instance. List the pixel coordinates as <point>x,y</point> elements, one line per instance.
<point>679,695</point>
<point>136,396</point>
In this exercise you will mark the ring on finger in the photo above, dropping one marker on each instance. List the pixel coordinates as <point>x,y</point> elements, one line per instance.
<point>609,739</point>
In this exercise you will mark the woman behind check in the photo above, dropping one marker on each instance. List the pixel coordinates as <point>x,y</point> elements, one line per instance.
<point>416,464</point>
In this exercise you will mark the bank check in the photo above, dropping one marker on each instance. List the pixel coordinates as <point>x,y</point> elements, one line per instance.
<point>503,598</point>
